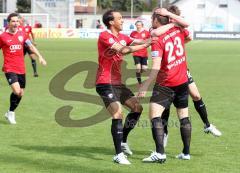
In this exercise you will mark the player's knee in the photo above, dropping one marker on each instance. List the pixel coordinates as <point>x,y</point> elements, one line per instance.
<point>196,97</point>
<point>17,92</point>
<point>144,70</point>
<point>138,70</point>
<point>138,108</point>
<point>117,115</point>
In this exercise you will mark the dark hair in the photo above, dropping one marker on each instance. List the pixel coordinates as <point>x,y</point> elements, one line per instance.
<point>12,15</point>
<point>174,9</point>
<point>163,20</point>
<point>139,21</point>
<point>107,17</point>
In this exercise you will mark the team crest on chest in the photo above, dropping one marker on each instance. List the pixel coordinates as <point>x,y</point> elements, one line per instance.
<point>123,42</point>
<point>111,40</point>
<point>20,38</point>
<point>143,35</point>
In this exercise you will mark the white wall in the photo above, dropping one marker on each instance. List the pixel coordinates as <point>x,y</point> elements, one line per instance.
<point>11,6</point>
<point>211,17</point>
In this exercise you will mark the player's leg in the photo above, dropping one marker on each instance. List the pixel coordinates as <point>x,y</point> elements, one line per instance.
<point>34,65</point>
<point>144,64</point>
<point>132,118</point>
<point>33,61</point>
<point>165,117</point>
<point>185,130</point>
<point>17,84</point>
<point>137,62</point>
<point>113,105</point>
<point>200,107</point>
<point>181,103</point>
<point>162,97</point>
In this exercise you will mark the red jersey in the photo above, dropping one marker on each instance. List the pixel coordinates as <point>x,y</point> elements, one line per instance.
<point>140,35</point>
<point>109,61</point>
<point>170,46</point>
<point>12,46</point>
<point>28,30</point>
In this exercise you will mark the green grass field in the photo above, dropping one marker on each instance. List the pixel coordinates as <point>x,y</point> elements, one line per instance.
<point>39,144</point>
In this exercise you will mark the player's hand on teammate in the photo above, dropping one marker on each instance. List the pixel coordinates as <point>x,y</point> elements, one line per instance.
<point>162,12</point>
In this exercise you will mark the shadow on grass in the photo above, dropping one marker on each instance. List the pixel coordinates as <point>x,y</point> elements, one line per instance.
<point>17,163</point>
<point>81,151</point>
<point>4,122</point>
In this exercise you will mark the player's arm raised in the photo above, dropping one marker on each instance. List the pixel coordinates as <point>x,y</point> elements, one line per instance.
<point>35,50</point>
<point>178,19</point>
<point>162,29</point>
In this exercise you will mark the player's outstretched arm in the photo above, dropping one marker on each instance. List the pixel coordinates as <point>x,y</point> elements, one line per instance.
<point>130,49</point>
<point>156,64</point>
<point>40,58</point>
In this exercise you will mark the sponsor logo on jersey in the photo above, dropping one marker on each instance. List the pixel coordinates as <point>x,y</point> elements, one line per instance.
<point>20,38</point>
<point>15,47</point>
<point>143,35</point>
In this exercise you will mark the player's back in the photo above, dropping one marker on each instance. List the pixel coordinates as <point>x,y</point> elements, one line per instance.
<point>173,70</point>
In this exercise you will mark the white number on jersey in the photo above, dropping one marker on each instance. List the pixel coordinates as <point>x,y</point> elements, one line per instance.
<point>169,47</point>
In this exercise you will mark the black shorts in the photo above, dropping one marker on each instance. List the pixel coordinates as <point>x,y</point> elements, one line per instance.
<point>165,96</point>
<point>190,78</point>
<point>112,93</point>
<point>13,77</point>
<point>27,50</point>
<point>140,60</point>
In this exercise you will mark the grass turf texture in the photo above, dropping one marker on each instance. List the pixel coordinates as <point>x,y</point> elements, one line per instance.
<point>38,144</point>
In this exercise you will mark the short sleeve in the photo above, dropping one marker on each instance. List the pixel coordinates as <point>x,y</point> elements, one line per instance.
<point>186,33</point>
<point>132,35</point>
<point>156,49</point>
<point>148,35</point>
<point>106,40</point>
<point>128,40</point>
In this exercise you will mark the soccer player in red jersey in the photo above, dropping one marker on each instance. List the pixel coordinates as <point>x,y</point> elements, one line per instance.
<point>28,30</point>
<point>174,13</point>
<point>112,45</point>
<point>169,68</point>
<point>12,42</point>
<point>140,57</point>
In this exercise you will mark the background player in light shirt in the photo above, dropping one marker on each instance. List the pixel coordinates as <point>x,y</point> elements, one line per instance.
<point>170,68</point>
<point>112,45</point>
<point>140,57</point>
<point>174,13</point>
<point>12,43</point>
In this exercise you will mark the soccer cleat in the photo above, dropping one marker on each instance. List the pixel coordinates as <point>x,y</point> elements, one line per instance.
<point>213,130</point>
<point>183,156</point>
<point>165,140</point>
<point>10,116</point>
<point>155,157</point>
<point>35,74</point>
<point>121,159</point>
<point>126,149</point>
